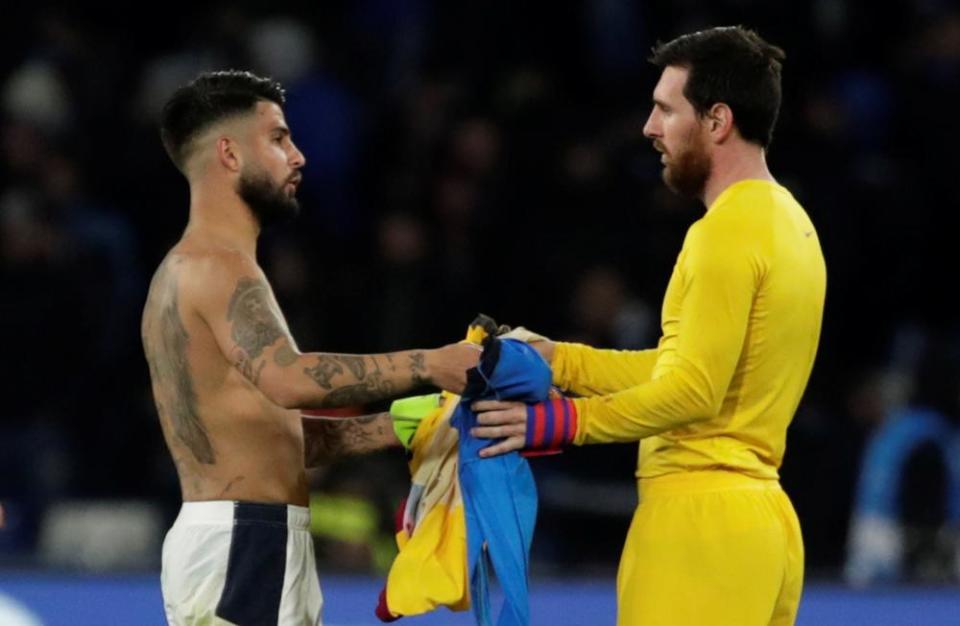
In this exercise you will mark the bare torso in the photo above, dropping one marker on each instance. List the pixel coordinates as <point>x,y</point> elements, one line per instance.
<point>227,439</point>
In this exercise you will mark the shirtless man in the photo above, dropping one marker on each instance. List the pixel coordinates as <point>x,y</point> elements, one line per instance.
<point>229,380</point>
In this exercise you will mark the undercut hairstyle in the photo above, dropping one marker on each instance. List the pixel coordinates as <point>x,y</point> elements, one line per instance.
<point>211,98</point>
<point>730,65</point>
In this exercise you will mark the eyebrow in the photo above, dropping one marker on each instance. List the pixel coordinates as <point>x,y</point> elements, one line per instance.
<point>660,103</point>
<point>283,130</point>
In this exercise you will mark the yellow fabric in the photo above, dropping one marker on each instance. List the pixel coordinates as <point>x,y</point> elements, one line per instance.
<point>741,322</point>
<point>431,568</point>
<point>711,549</point>
<point>588,371</point>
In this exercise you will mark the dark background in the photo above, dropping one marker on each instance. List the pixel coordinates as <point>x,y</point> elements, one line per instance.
<point>462,158</point>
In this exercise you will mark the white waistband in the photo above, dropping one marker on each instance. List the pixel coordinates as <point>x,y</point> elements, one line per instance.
<point>225,512</point>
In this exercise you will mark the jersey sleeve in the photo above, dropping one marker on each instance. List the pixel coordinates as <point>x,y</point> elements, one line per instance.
<point>588,371</point>
<point>719,275</point>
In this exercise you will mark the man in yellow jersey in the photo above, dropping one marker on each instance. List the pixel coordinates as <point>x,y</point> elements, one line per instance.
<point>714,540</point>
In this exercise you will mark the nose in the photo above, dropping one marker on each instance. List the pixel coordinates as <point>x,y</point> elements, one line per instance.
<point>652,128</point>
<point>297,160</point>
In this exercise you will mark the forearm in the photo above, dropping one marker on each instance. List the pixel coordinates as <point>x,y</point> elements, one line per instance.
<point>682,396</point>
<point>588,371</point>
<point>324,380</point>
<point>326,439</point>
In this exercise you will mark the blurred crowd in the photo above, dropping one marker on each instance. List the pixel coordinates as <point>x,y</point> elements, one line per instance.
<point>483,157</point>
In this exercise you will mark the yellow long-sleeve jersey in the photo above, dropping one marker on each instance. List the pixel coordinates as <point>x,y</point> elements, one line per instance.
<point>741,321</point>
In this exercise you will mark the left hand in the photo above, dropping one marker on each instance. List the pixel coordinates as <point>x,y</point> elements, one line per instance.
<point>498,419</point>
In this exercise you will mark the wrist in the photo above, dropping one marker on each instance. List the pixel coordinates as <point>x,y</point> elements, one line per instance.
<point>551,424</point>
<point>423,367</point>
<point>545,348</point>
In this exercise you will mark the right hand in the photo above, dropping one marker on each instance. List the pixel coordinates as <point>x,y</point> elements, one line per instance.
<point>447,366</point>
<point>538,342</point>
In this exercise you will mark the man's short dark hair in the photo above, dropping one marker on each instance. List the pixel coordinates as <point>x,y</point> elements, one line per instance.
<point>732,65</point>
<point>208,99</point>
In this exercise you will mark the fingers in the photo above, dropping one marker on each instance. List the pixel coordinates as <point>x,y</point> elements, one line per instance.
<point>494,405</point>
<point>497,432</point>
<point>512,415</point>
<point>507,445</point>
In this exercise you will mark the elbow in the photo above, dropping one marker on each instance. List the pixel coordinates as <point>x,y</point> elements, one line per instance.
<point>284,398</point>
<point>694,406</point>
<point>701,400</point>
<point>279,393</point>
<point>702,411</point>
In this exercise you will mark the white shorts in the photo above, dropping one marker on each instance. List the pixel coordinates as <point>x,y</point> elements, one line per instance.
<point>240,563</point>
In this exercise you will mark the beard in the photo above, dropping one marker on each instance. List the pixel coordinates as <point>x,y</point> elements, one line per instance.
<point>269,202</point>
<point>687,174</point>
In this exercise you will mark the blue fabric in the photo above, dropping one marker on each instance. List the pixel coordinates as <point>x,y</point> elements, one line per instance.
<point>499,494</point>
<point>878,491</point>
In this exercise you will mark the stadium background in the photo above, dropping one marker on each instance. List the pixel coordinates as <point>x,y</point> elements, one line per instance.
<point>461,158</point>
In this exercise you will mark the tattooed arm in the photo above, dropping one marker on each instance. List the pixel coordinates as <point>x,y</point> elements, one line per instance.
<point>239,306</point>
<point>326,438</point>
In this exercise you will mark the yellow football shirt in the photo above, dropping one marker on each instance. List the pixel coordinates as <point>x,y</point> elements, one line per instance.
<point>741,321</point>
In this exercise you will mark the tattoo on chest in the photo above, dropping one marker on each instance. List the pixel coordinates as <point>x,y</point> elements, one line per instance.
<point>255,325</point>
<point>167,355</point>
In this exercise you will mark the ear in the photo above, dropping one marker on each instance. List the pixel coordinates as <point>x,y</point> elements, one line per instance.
<point>720,122</point>
<point>228,154</point>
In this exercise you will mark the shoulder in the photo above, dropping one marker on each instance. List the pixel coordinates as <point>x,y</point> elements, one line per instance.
<point>211,273</point>
<point>213,265</point>
<point>723,241</point>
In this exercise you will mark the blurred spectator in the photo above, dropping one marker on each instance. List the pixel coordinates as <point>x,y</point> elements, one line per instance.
<point>604,314</point>
<point>896,505</point>
<point>327,117</point>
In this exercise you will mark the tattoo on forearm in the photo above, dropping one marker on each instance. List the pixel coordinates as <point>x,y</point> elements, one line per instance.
<point>418,369</point>
<point>167,354</point>
<point>327,439</point>
<point>354,379</point>
<point>323,372</point>
<point>373,389</point>
<point>355,364</point>
<point>370,386</point>
<point>255,325</point>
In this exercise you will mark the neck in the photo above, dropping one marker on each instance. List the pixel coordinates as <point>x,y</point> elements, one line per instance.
<point>732,164</point>
<point>219,215</point>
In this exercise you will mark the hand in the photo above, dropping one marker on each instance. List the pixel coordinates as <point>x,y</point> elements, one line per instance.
<point>447,366</point>
<point>540,428</point>
<point>541,344</point>
<point>498,419</point>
